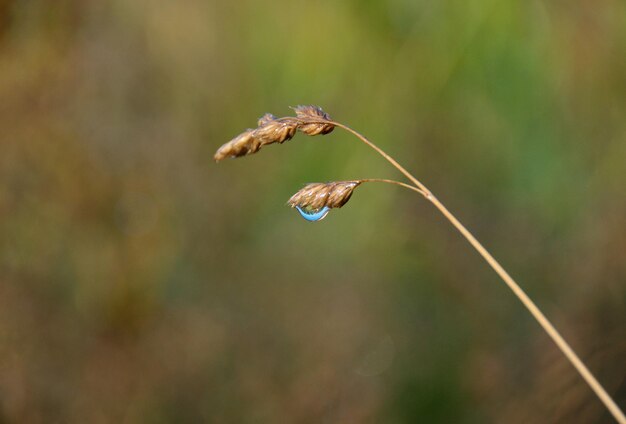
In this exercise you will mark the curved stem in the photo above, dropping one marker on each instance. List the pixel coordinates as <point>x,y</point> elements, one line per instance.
<point>398,183</point>
<point>569,353</point>
<point>391,160</point>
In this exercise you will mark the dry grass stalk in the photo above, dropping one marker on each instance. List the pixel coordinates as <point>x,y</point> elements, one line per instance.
<point>312,120</point>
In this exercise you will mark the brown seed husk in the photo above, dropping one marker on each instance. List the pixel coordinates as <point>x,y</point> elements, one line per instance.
<point>313,113</point>
<point>244,144</point>
<point>268,117</point>
<point>271,130</point>
<point>317,195</point>
<point>309,119</point>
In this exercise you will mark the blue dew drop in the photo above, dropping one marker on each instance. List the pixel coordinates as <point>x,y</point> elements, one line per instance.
<point>313,215</point>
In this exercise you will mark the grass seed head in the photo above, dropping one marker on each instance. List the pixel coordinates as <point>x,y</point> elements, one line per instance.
<point>272,130</point>
<point>244,144</point>
<point>311,120</point>
<point>317,195</point>
<point>313,117</point>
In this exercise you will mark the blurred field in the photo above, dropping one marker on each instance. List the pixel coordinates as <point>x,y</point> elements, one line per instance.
<point>141,282</point>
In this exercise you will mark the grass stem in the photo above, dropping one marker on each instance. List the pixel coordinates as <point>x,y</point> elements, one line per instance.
<point>569,353</point>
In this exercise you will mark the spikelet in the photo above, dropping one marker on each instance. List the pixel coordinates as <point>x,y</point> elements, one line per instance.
<point>272,130</point>
<point>318,195</point>
<point>244,144</point>
<point>311,120</point>
<point>315,114</point>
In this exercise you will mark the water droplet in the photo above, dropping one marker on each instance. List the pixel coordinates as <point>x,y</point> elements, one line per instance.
<point>313,214</point>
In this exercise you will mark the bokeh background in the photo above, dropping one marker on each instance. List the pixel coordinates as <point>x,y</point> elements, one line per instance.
<point>142,282</point>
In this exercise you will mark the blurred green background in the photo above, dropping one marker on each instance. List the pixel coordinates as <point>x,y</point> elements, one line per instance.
<point>142,282</point>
